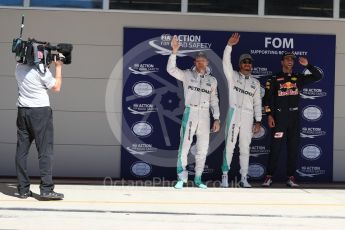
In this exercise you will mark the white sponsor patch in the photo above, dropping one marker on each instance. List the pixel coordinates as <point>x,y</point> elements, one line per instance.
<point>312,132</point>
<point>142,108</point>
<point>258,150</point>
<point>141,149</point>
<point>310,171</point>
<point>190,43</point>
<point>278,134</point>
<point>259,71</point>
<point>312,93</point>
<point>143,69</point>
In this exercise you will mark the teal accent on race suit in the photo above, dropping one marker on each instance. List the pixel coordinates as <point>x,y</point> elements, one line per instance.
<point>198,182</point>
<point>225,166</point>
<point>184,128</point>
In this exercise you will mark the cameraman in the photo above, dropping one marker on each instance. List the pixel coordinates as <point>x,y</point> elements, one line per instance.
<point>35,122</point>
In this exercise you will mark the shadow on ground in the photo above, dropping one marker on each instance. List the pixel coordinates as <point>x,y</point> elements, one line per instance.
<point>10,189</point>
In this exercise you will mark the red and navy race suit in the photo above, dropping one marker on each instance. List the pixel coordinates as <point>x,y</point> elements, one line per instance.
<point>281,101</point>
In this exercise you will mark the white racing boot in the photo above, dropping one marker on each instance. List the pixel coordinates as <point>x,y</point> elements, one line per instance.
<point>244,183</point>
<point>179,184</point>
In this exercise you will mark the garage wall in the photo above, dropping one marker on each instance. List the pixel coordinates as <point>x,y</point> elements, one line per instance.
<point>85,145</point>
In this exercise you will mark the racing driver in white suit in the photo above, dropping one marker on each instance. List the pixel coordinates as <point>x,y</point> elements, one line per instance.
<point>200,93</point>
<point>244,105</point>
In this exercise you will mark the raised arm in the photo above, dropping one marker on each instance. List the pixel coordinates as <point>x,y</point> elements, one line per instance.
<point>58,76</point>
<point>227,66</point>
<point>54,84</point>
<point>309,78</point>
<point>171,67</point>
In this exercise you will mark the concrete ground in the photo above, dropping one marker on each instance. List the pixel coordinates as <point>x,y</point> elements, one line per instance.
<point>140,207</point>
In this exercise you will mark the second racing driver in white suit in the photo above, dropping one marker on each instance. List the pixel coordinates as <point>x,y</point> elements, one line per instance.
<point>244,105</point>
<point>200,93</point>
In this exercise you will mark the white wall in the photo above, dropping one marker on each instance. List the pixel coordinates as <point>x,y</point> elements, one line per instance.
<point>84,144</point>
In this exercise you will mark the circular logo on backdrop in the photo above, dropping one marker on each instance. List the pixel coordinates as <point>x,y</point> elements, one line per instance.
<point>261,134</point>
<point>142,129</point>
<point>141,169</point>
<point>312,113</point>
<point>311,152</point>
<point>143,89</point>
<point>256,171</point>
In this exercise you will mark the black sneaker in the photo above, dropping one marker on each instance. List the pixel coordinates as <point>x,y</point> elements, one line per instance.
<point>51,196</point>
<point>25,195</point>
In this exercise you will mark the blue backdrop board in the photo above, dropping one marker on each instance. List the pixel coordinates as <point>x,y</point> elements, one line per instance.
<point>153,102</point>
